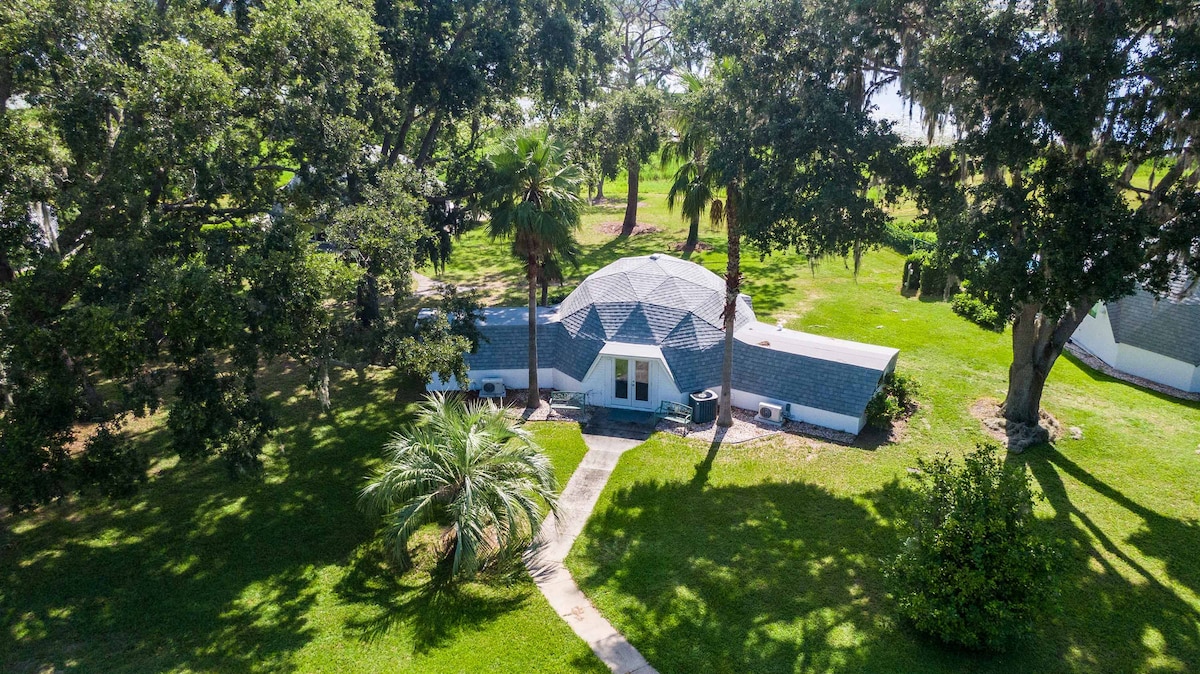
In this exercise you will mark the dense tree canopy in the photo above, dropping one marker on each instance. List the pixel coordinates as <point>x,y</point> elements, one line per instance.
<point>170,169</point>
<point>1077,129</point>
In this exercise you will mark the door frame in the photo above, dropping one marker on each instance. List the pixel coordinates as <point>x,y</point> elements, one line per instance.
<point>631,402</point>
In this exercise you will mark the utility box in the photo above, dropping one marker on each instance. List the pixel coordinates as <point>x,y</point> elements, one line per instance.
<point>704,406</point>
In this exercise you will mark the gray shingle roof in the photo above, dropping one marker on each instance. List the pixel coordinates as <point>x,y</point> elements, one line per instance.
<point>650,300</point>
<point>1169,326</point>
<point>676,305</point>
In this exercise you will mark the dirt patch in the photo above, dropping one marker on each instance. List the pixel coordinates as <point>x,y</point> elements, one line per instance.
<point>1015,436</point>
<point>700,247</point>
<point>614,227</point>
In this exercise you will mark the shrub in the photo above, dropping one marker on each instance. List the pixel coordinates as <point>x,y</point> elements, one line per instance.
<point>112,464</point>
<point>933,279</point>
<point>893,401</point>
<point>973,309</point>
<point>912,270</point>
<point>901,238</point>
<point>974,569</point>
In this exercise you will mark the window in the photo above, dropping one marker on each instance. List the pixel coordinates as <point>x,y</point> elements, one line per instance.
<point>641,380</point>
<point>621,387</point>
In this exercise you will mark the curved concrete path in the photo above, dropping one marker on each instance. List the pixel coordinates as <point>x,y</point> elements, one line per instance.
<point>545,560</point>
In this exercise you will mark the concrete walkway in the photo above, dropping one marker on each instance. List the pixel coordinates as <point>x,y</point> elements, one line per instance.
<point>545,560</point>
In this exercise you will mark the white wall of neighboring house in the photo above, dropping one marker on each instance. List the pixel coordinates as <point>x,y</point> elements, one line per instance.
<point>1095,334</point>
<point>1155,367</point>
<point>797,412</point>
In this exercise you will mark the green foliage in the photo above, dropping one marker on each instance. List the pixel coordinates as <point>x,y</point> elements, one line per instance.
<point>893,401</point>
<point>1058,131</point>
<point>973,309</point>
<point>112,464</point>
<point>905,240</point>
<point>220,413</point>
<point>471,468</point>
<point>975,569</point>
<point>926,271</point>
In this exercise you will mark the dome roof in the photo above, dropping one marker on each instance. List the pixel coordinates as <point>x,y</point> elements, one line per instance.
<point>655,299</point>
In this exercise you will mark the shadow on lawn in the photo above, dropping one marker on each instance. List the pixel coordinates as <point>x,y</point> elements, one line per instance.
<point>1153,617</point>
<point>197,572</point>
<point>437,614</point>
<point>784,577</point>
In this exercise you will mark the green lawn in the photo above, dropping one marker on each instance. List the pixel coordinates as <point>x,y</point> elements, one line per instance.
<point>756,558</point>
<point>202,574</point>
<point>765,557</point>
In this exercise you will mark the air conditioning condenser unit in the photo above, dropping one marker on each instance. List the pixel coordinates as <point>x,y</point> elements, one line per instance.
<point>770,414</point>
<point>491,387</point>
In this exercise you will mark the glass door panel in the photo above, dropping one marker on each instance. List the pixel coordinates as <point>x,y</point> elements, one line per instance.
<point>641,380</point>
<point>621,382</point>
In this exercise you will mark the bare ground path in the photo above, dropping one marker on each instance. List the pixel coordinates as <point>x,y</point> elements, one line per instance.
<point>545,560</point>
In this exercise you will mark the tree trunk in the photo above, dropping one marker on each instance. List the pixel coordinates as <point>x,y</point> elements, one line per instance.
<point>426,152</point>
<point>631,199</point>
<point>599,190</point>
<point>533,400</point>
<point>545,290</point>
<point>1037,343</point>
<point>368,300</point>
<point>323,384</point>
<point>733,288</point>
<point>693,235</point>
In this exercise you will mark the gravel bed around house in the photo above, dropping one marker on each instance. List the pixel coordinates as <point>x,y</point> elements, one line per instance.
<point>515,404</point>
<point>746,428</point>
<point>1097,364</point>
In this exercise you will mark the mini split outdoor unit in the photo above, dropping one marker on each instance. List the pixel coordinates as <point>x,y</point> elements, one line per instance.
<point>491,387</point>
<point>771,414</point>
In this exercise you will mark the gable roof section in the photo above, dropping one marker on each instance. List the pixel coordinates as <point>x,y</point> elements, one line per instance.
<point>507,340</point>
<point>829,374</point>
<point>1169,326</point>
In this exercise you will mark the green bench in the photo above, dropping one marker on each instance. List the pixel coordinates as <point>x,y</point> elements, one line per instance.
<point>675,412</point>
<point>568,400</point>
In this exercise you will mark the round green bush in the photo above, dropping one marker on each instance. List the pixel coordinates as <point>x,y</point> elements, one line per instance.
<point>975,570</point>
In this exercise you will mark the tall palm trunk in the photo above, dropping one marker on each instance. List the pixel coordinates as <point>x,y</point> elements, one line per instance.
<point>631,199</point>
<point>533,400</point>
<point>733,287</point>
<point>693,234</point>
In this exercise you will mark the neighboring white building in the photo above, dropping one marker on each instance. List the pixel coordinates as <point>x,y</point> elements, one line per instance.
<point>1147,337</point>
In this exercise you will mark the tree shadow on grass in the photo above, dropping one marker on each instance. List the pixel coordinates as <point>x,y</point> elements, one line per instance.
<point>766,578</point>
<point>437,613</point>
<point>1156,624</point>
<point>196,572</point>
<point>786,577</point>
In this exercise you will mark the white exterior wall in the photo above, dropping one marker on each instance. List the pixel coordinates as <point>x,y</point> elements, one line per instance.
<point>514,378</point>
<point>1156,367</point>
<point>1095,334</point>
<point>602,375</point>
<point>598,385</point>
<point>797,412</point>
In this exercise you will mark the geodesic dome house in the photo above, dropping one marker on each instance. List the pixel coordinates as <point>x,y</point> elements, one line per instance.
<point>648,329</point>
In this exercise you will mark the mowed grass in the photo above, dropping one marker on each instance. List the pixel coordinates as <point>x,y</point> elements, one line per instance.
<point>199,573</point>
<point>767,557</point>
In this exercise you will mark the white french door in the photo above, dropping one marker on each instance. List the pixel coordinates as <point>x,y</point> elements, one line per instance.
<point>631,383</point>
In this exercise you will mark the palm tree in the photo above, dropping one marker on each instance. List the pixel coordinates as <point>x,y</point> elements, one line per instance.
<point>534,202</point>
<point>470,466</point>
<point>694,185</point>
